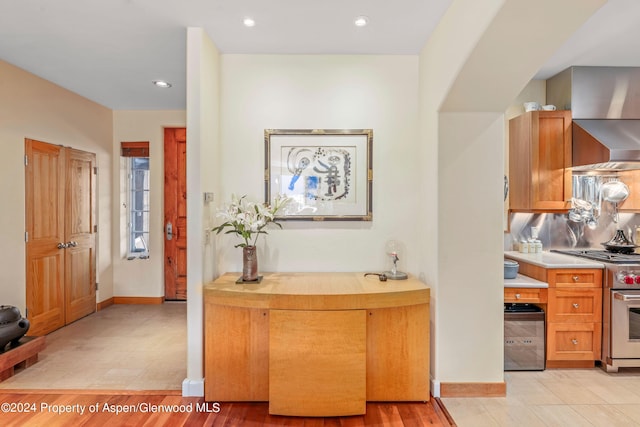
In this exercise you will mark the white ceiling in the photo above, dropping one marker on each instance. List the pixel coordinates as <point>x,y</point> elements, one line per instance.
<point>110,50</point>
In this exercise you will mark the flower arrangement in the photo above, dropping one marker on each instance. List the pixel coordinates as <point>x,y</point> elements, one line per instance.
<point>248,219</point>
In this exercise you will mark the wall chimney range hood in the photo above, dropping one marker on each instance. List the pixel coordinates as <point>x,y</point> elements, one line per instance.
<point>605,107</point>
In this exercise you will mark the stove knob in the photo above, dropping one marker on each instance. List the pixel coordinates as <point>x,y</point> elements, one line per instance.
<point>629,279</point>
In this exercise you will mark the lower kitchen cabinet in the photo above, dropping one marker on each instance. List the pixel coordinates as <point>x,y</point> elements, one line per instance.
<point>574,305</point>
<point>525,295</point>
<point>573,309</point>
<point>574,317</point>
<point>569,344</point>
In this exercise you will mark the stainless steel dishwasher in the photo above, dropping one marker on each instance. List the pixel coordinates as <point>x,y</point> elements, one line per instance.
<point>524,338</point>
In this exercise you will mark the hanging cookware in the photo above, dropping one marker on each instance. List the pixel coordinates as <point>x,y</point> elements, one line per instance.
<point>614,192</point>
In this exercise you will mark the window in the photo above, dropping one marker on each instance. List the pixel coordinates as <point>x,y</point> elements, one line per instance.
<point>138,177</point>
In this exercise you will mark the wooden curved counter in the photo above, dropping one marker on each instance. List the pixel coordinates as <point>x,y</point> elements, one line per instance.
<point>316,344</point>
<point>317,291</point>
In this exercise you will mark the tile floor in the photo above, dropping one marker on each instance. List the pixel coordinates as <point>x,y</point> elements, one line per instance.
<point>123,347</point>
<point>556,397</point>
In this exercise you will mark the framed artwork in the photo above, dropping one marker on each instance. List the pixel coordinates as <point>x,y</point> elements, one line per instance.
<point>327,173</point>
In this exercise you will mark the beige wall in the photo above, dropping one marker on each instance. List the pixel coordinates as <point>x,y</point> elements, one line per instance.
<point>31,107</point>
<point>324,92</point>
<point>140,277</point>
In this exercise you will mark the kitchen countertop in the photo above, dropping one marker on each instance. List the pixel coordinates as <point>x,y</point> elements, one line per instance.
<point>548,259</point>
<point>522,281</point>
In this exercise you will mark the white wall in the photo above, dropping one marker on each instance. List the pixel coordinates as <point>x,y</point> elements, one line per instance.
<point>203,161</point>
<point>140,277</point>
<point>31,107</point>
<point>324,92</point>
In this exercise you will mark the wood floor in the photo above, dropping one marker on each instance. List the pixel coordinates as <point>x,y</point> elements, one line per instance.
<point>114,408</point>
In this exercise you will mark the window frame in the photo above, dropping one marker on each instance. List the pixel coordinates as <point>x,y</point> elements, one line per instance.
<point>138,198</point>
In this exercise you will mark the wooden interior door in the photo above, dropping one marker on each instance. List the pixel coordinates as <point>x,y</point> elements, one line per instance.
<point>45,200</point>
<point>60,235</point>
<point>80,228</point>
<point>175,213</point>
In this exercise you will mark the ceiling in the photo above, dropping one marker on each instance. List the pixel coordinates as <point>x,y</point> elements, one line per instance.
<point>111,50</point>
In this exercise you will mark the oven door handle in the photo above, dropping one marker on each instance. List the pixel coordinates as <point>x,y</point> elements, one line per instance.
<point>626,297</point>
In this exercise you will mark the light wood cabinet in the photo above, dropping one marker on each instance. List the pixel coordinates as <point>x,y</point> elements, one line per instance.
<point>573,344</point>
<point>236,346</point>
<point>315,373</point>
<point>574,317</point>
<point>525,295</point>
<point>316,344</point>
<point>540,161</point>
<point>568,278</point>
<point>397,355</point>
<point>575,305</point>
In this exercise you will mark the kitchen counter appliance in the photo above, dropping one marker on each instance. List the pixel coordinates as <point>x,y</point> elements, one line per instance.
<point>621,307</point>
<point>523,338</point>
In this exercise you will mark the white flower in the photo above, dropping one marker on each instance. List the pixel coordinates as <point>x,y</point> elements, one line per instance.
<point>247,219</point>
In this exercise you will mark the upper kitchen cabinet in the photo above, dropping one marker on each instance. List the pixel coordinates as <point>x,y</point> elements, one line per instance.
<point>540,161</point>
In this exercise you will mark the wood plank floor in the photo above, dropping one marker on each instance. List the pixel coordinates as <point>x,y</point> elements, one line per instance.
<point>119,408</point>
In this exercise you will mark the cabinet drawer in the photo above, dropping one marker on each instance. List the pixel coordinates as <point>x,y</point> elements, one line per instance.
<point>525,295</point>
<point>559,278</point>
<point>574,305</point>
<point>573,341</point>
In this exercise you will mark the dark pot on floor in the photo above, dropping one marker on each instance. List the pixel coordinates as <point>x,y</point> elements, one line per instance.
<point>12,326</point>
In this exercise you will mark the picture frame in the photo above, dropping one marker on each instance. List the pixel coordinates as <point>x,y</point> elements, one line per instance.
<point>327,173</point>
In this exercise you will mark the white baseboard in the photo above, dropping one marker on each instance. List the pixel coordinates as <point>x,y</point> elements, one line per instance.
<point>193,388</point>
<point>435,388</point>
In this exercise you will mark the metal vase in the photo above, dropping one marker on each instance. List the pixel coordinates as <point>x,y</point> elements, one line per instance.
<point>249,264</point>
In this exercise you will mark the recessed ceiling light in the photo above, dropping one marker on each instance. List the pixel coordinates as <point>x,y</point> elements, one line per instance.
<point>249,22</point>
<point>361,21</point>
<point>161,83</point>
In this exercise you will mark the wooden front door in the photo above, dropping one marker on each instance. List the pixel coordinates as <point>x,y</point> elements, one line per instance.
<point>60,235</point>
<point>175,213</point>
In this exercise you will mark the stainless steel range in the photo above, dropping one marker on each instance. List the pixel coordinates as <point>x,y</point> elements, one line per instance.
<point>621,307</point>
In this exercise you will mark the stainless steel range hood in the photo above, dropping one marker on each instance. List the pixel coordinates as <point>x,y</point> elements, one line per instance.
<point>605,106</point>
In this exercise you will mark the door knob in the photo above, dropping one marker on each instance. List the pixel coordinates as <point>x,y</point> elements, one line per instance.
<point>62,246</point>
<point>71,244</point>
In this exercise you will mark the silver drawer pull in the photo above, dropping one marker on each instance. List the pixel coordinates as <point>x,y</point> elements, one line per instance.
<point>576,305</point>
<point>574,341</point>
<point>575,278</point>
<point>517,296</point>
